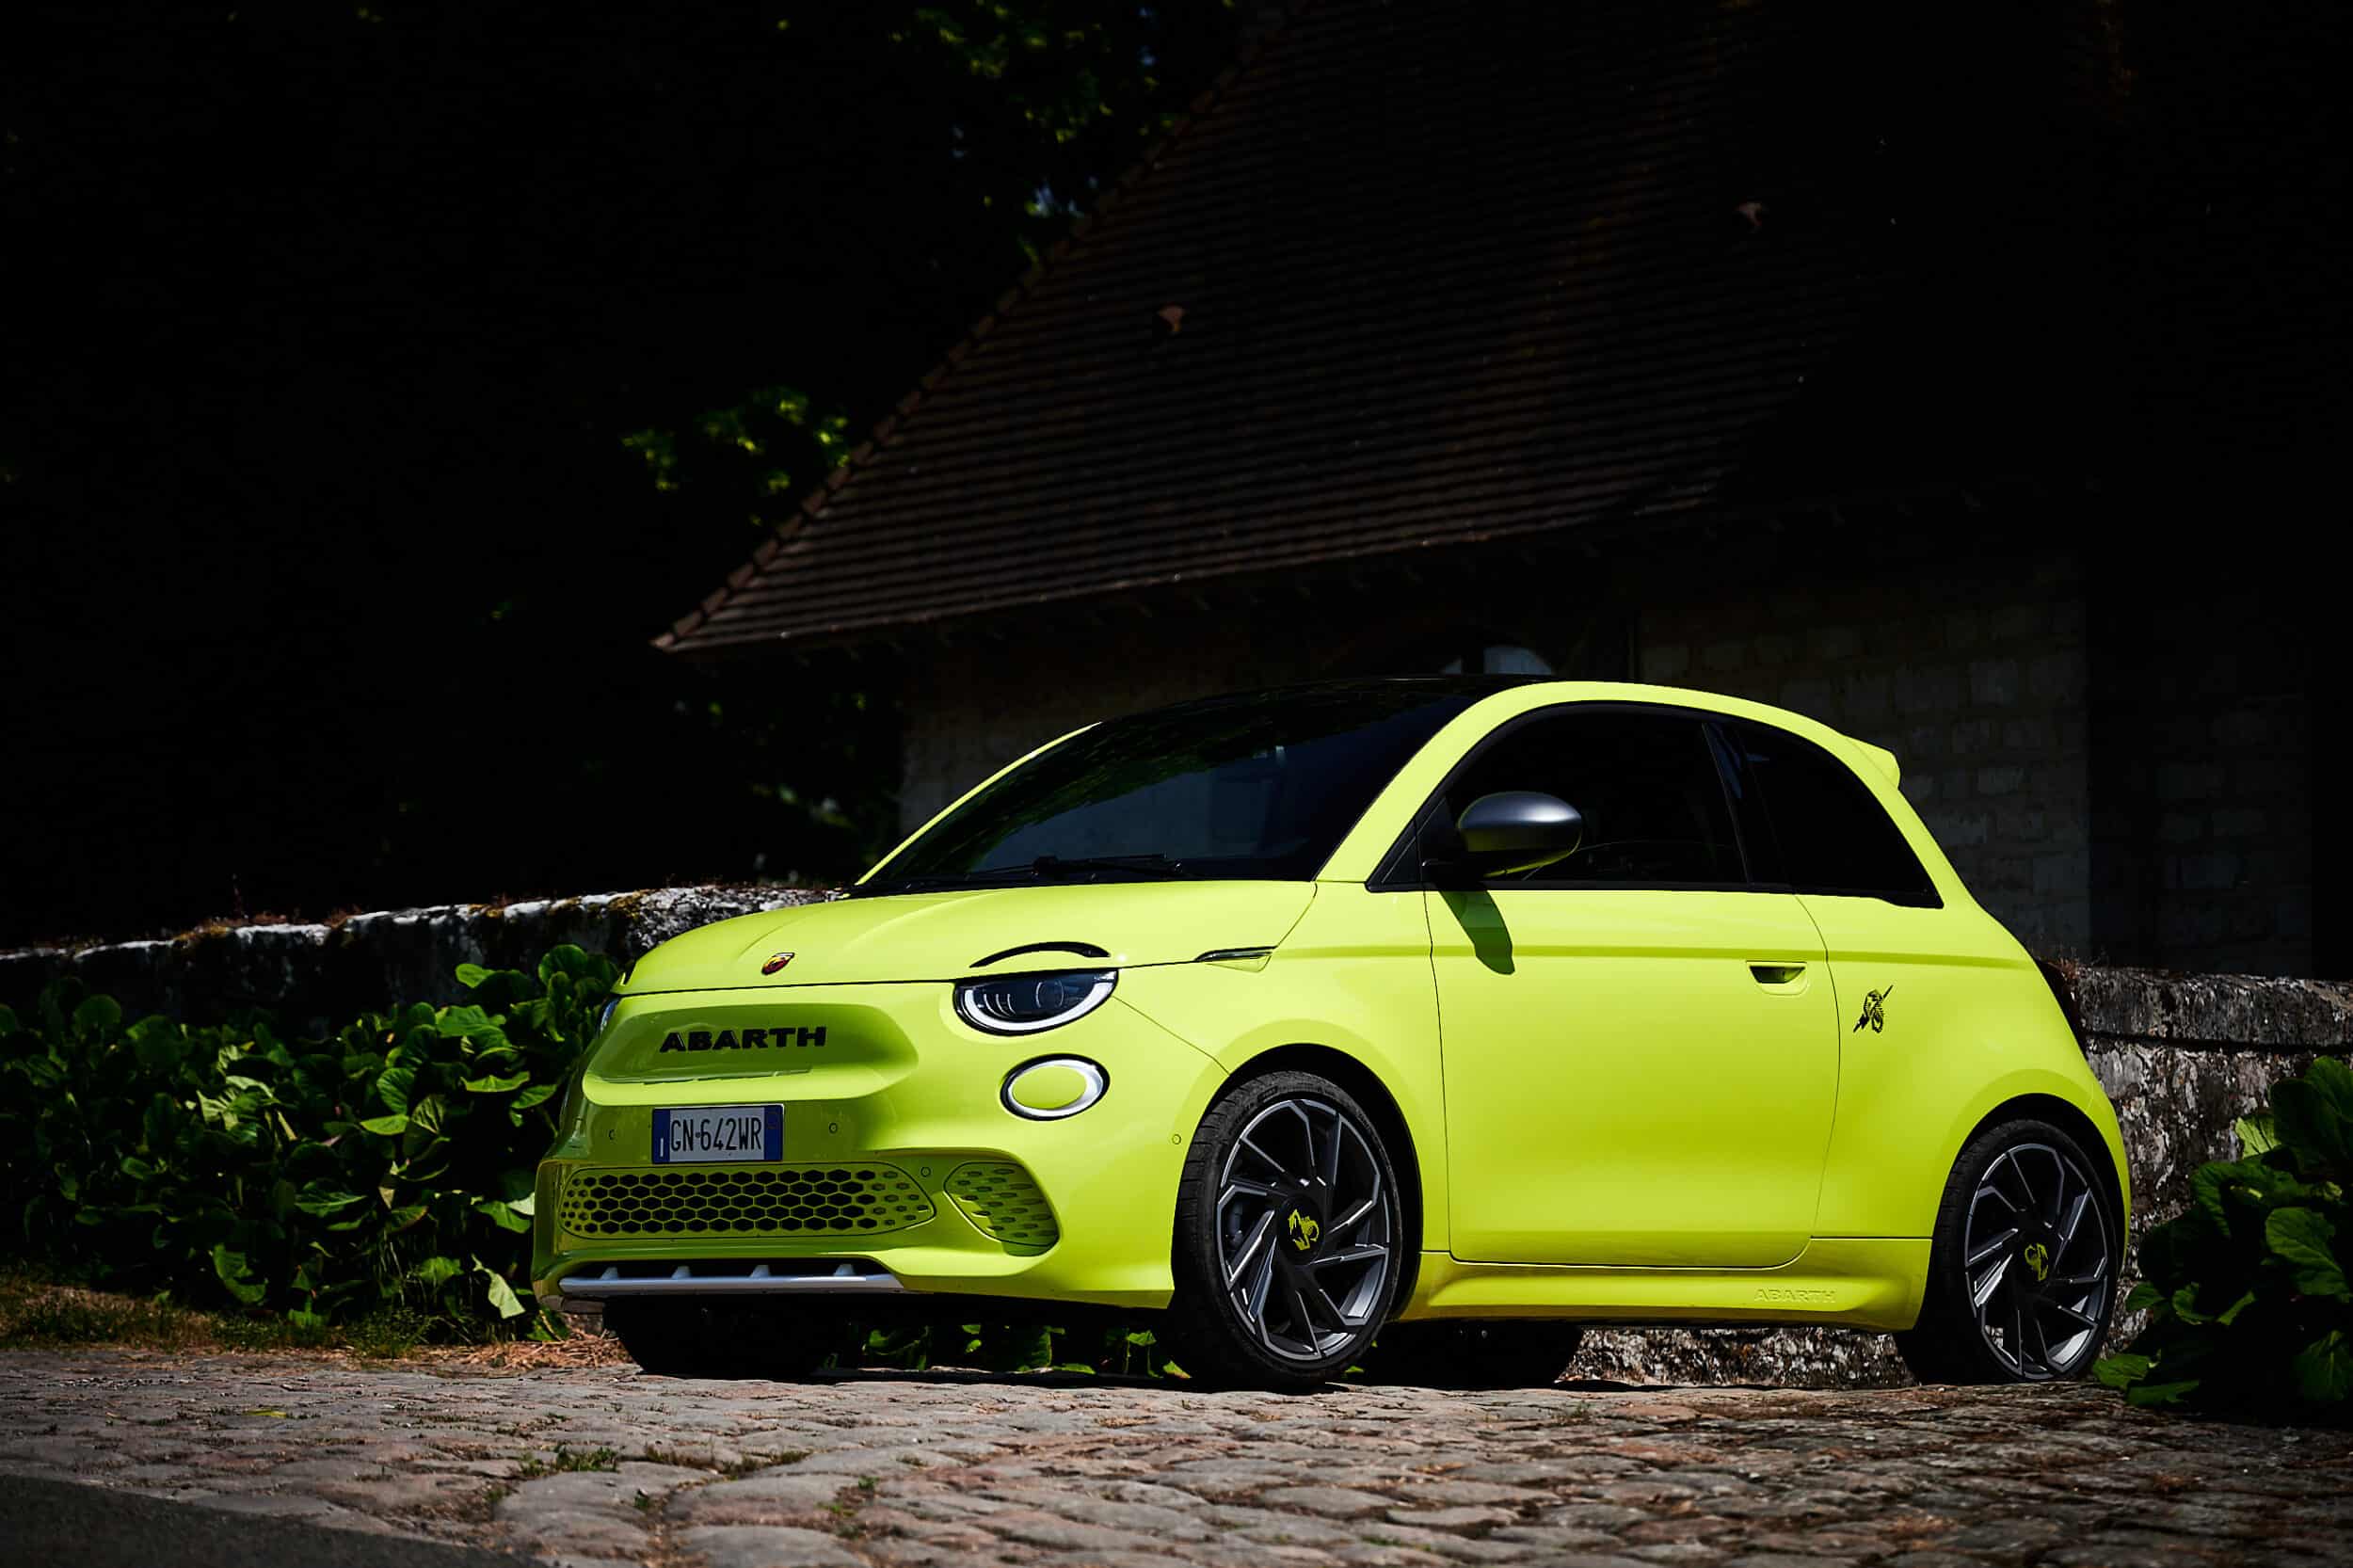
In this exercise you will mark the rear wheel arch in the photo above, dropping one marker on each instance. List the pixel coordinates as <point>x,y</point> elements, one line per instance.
<point>1374,1095</point>
<point>2069,1119</point>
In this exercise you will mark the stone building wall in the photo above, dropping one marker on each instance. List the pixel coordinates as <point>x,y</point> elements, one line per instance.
<point>1973,675</point>
<point>2205,770</point>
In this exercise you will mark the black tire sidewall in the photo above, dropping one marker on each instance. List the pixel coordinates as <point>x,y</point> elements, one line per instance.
<point>1208,1328</point>
<point>1947,1346</point>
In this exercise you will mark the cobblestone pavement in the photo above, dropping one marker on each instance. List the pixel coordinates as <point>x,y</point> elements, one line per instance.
<point>602,1465</point>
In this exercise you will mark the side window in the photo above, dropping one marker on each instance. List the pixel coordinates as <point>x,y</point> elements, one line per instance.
<point>1649,790</point>
<point>1829,833</point>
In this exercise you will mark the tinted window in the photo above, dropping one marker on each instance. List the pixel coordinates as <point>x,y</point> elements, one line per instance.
<point>1828,832</point>
<point>1645,783</point>
<point>1258,786</point>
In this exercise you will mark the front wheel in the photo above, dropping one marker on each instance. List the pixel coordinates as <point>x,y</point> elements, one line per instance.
<point>1287,1235</point>
<point>2022,1270</point>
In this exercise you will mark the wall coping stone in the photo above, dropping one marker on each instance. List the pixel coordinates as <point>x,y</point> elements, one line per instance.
<point>324,973</point>
<point>2215,1011</point>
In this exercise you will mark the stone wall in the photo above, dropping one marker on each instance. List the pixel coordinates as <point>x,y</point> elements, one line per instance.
<point>318,975</point>
<point>2182,1056</point>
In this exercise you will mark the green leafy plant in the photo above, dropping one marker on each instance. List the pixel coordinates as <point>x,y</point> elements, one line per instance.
<point>381,1175</point>
<point>2249,1293</point>
<point>373,1187</point>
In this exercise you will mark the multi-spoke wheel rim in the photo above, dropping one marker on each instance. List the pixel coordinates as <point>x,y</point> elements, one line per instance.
<point>2038,1261</point>
<point>1306,1228</point>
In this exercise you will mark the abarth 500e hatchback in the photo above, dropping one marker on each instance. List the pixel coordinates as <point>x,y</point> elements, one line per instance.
<point>1447,1012</point>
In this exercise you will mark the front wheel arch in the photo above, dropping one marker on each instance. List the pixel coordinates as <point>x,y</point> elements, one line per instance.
<point>1371,1092</point>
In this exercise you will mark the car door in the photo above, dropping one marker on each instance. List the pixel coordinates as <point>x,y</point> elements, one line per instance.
<point>1905,966</point>
<point>1639,1049</point>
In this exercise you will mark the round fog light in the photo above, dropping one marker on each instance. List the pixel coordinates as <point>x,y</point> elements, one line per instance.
<point>1057,1086</point>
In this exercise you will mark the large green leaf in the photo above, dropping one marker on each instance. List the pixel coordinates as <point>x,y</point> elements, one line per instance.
<point>467,1022</point>
<point>2324,1368</point>
<point>317,1199</point>
<point>2314,1116</point>
<point>393,1085</point>
<point>230,1269</point>
<point>2302,1236</point>
<point>2121,1370</point>
<point>503,1215</point>
<point>500,1294</point>
<point>97,1018</point>
<point>437,1271</point>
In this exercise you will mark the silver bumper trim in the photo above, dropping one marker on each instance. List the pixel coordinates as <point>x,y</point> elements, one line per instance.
<point>816,1277</point>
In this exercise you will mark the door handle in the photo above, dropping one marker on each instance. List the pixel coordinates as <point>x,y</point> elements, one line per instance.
<point>1777,974</point>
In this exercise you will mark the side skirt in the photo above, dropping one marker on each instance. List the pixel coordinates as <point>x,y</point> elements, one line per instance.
<point>1873,1283</point>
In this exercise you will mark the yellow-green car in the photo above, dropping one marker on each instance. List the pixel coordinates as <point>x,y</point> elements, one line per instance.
<point>1454,1012</point>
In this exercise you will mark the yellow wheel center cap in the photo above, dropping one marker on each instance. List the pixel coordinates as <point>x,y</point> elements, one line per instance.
<point>1305,1231</point>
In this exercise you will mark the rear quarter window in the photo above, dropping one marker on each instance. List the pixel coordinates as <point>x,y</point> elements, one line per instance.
<point>1825,832</point>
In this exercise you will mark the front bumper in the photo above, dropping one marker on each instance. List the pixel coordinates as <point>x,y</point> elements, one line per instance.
<point>902,1168</point>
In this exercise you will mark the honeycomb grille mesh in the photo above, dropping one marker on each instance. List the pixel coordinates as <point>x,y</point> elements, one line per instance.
<point>765,1200</point>
<point>1003,1202</point>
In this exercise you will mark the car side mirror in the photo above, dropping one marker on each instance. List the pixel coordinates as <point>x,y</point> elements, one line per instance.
<point>1517,831</point>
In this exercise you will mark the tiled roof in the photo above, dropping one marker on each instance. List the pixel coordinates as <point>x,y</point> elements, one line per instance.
<point>1437,272</point>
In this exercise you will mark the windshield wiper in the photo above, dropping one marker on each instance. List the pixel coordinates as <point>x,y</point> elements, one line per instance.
<point>1143,868</point>
<point>1044,869</point>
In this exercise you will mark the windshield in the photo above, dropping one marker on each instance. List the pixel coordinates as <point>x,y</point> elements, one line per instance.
<point>1262,786</point>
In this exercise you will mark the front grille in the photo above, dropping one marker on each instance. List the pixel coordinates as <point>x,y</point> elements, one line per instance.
<point>1003,1203</point>
<point>766,1200</point>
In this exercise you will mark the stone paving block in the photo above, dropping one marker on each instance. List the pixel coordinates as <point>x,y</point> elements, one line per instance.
<point>877,1463</point>
<point>764,1547</point>
<point>1337,1502</point>
<point>768,1499</point>
<point>294,1505</point>
<point>1452,1518</point>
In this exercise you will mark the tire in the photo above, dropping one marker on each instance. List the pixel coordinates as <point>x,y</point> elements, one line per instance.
<point>1476,1353</point>
<point>1290,1193</point>
<point>2041,1224</point>
<point>690,1338</point>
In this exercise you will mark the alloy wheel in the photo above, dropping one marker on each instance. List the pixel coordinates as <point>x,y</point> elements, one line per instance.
<point>2038,1261</point>
<point>1306,1229</point>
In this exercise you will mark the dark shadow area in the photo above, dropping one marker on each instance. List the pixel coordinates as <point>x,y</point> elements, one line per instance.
<point>93,1526</point>
<point>1475,911</point>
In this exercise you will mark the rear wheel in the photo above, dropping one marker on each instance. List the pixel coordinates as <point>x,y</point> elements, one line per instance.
<point>2022,1270</point>
<point>1288,1231</point>
<point>686,1338</point>
<point>1476,1353</point>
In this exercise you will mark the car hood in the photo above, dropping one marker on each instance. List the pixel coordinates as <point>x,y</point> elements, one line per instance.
<point>944,935</point>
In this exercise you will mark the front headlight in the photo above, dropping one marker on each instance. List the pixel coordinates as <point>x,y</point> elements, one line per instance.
<point>1025,1003</point>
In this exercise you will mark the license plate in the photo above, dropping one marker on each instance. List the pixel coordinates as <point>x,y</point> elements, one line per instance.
<point>707,1134</point>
